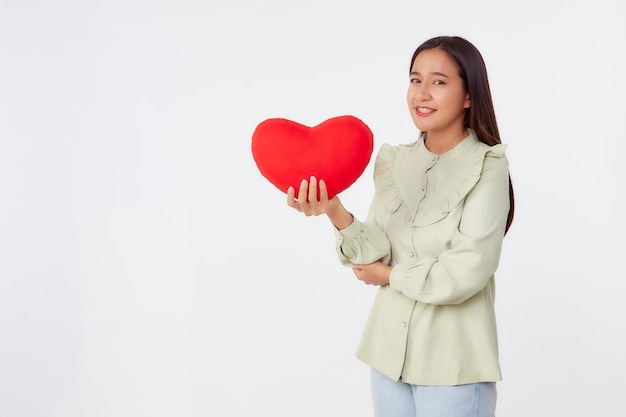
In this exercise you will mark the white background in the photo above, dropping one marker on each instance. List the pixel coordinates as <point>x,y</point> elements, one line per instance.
<point>148,269</point>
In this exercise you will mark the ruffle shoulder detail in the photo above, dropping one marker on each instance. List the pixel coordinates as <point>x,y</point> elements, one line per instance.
<point>390,195</point>
<point>383,176</point>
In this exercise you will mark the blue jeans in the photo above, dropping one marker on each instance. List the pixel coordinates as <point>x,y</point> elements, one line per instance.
<point>399,399</point>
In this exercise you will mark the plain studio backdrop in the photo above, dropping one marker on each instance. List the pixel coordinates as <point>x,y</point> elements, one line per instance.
<point>148,269</point>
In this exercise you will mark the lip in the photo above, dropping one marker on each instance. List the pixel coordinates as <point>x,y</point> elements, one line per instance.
<point>424,111</point>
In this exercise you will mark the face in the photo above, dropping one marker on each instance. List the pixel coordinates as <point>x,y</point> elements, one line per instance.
<point>436,97</point>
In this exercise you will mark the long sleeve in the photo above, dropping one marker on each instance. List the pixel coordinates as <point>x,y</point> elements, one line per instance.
<point>363,242</point>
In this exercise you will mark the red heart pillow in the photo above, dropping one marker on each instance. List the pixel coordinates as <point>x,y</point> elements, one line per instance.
<point>336,150</point>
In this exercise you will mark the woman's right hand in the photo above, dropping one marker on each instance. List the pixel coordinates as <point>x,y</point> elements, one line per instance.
<point>307,201</point>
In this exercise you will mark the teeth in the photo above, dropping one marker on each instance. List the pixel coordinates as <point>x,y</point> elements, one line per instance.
<point>424,110</point>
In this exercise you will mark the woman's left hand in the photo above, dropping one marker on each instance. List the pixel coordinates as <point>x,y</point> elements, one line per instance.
<point>376,273</point>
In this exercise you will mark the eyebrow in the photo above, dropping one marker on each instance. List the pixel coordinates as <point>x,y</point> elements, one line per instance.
<point>441,74</point>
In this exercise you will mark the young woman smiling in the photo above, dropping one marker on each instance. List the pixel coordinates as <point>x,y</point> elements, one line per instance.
<point>431,243</point>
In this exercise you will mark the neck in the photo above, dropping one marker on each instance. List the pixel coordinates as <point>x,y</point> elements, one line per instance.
<point>441,143</point>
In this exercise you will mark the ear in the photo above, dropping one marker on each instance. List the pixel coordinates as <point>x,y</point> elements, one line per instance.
<point>468,102</point>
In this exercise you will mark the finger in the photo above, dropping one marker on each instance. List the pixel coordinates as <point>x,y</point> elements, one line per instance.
<point>362,277</point>
<point>313,190</point>
<point>303,191</point>
<point>291,198</point>
<point>323,191</point>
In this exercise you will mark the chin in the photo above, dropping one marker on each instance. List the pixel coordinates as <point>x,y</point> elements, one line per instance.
<point>422,127</point>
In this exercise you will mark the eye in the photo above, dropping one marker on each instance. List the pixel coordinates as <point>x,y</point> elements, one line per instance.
<point>438,82</point>
<point>415,80</point>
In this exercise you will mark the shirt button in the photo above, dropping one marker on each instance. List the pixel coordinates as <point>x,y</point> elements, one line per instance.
<point>412,255</point>
<point>404,324</point>
<point>423,187</point>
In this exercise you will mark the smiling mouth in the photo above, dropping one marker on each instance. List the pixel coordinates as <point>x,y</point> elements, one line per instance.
<point>424,111</point>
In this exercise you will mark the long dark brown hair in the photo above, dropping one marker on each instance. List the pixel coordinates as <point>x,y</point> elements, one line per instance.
<point>480,116</point>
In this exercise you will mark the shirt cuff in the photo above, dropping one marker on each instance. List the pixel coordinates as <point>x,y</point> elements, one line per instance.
<point>349,233</point>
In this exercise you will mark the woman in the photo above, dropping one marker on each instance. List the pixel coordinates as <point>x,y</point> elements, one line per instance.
<point>431,242</point>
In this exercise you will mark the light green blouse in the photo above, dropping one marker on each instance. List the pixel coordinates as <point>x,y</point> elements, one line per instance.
<point>439,220</point>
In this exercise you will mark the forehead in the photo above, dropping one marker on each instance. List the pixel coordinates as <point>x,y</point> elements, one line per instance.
<point>435,60</point>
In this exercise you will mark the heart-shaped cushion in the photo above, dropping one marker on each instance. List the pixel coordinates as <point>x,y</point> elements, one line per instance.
<point>336,150</point>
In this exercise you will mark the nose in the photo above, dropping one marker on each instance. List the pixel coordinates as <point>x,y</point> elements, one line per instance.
<point>420,93</point>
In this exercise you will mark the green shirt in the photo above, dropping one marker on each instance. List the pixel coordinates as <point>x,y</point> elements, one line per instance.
<point>439,221</point>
